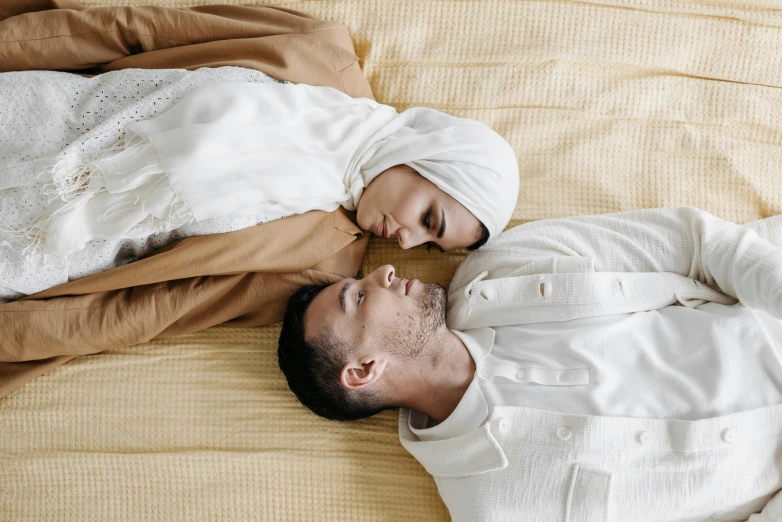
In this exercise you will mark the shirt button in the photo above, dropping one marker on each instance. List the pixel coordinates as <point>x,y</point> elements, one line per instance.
<point>729,436</point>
<point>521,375</point>
<point>504,425</point>
<point>645,438</point>
<point>563,377</point>
<point>564,433</point>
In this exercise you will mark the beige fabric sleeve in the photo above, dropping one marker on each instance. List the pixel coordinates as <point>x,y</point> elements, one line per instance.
<point>282,43</point>
<point>40,334</point>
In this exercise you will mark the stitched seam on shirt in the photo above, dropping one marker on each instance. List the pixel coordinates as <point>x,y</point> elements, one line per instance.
<point>92,32</point>
<point>650,451</point>
<point>137,34</point>
<point>321,30</point>
<point>339,75</point>
<point>115,301</point>
<point>335,226</point>
<point>348,65</point>
<point>340,277</point>
<point>491,305</point>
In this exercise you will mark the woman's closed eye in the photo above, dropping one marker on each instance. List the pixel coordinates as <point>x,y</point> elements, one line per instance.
<point>427,219</point>
<point>428,225</point>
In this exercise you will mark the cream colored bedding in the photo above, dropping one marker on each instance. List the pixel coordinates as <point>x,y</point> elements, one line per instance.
<point>610,106</point>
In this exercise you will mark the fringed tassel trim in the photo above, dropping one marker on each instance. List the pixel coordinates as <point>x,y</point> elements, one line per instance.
<point>73,183</point>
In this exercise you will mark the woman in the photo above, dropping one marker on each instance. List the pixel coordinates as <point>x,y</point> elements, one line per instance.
<point>128,161</point>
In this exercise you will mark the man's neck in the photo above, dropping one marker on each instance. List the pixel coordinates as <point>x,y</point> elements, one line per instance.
<point>444,379</point>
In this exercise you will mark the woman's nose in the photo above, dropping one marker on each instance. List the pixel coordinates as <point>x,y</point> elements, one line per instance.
<point>406,240</point>
<point>385,275</point>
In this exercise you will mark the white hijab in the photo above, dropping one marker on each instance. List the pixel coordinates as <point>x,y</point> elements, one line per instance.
<point>259,148</point>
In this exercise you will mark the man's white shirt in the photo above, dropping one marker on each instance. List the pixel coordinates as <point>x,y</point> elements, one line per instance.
<point>593,397</point>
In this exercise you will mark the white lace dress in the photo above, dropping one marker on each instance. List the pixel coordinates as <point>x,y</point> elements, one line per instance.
<point>44,114</point>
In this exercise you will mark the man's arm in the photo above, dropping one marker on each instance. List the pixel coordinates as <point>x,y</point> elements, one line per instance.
<point>682,240</point>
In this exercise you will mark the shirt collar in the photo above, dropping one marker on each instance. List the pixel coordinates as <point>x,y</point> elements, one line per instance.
<point>468,415</point>
<point>475,452</point>
<point>479,342</point>
<point>472,409</point>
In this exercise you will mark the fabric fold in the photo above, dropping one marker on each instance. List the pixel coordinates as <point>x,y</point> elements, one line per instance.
<point>127,195</point>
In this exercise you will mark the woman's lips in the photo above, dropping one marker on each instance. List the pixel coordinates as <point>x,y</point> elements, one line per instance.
<point>381,228</point>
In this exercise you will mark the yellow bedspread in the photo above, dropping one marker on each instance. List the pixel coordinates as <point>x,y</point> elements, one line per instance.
<point>610,106</point>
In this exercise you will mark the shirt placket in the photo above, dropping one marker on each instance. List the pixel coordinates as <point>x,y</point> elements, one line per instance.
<point>534,375</point>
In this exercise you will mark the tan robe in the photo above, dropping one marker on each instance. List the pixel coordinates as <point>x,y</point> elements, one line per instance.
<point>241,278</point>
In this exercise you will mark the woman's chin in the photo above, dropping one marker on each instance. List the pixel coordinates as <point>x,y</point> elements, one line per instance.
<point>364,223</point>
<point>363,226</point>
<point>366,228</point>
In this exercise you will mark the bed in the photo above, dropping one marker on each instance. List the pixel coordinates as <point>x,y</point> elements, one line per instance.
<point>610,106</point>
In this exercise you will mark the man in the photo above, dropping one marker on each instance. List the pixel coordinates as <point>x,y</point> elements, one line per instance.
<point>566,384</point>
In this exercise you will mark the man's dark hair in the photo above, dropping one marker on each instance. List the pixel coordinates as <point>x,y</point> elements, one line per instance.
<point>313,368</point>
<point>481,240</point>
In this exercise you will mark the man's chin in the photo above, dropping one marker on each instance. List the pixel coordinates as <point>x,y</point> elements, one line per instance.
<point>434,302</point>
<point>437,287</point>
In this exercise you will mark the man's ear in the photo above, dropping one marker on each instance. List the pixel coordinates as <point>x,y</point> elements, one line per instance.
<point>358,373</point>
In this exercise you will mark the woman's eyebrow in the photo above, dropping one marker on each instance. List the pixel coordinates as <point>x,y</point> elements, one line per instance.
<point>442,224</point>
<point>342,293</point>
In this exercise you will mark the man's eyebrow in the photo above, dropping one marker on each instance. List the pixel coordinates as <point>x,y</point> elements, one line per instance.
<point>442,224</point>
<point>342,293</point>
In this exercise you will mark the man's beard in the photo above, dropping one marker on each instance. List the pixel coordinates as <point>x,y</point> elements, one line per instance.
<point>415,330</point>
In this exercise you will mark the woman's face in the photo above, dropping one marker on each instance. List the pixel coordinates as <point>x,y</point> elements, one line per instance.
<point>403,205</point>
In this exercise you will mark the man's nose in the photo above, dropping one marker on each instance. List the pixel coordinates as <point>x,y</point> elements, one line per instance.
<point>384,275</point>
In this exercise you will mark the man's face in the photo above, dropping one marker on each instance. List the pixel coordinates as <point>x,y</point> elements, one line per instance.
<point>380,312</point>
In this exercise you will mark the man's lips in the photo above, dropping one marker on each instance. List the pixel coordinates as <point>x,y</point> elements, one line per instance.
<point>406,285</point>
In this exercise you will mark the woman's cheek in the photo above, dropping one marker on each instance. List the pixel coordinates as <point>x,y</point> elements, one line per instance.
<point>409,211</point>
<point>361,216</point>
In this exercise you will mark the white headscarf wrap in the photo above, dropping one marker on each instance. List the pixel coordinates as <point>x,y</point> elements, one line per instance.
<point>259,148</point>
